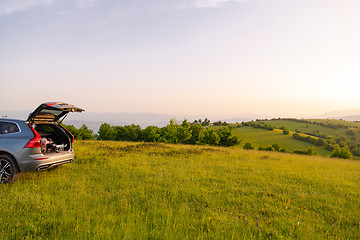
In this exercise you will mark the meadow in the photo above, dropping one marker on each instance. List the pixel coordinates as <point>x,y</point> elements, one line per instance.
<point>261,137</point>
<point>122,190</point>
<point>314,128</point>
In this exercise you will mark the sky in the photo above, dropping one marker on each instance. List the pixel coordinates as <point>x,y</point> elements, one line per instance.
<point>283,58</point>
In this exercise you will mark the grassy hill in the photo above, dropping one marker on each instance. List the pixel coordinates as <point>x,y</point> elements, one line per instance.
<point>118,190</point>
<point>327,128</point>
<point>261,137</point>
<point>264,133</point>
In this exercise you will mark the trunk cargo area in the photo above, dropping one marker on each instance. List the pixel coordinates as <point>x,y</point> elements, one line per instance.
<point>53,138</point>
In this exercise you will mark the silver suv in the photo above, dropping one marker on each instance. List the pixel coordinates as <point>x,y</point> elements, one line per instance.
<point>39,143</point>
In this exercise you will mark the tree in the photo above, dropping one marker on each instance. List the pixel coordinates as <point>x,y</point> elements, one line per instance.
<point>226,138</point>
<point>206,122</point>
<point>218,123</point>
<point>151,134</point>
<point>128,133</point>
<point>86,133</point>
<point>106,132</point>
<point>196,129</point>
<point>73,130</point>
<point>170,132</point>
<point>184,131</point>
<point>339,152</point>
<point>209,137</point>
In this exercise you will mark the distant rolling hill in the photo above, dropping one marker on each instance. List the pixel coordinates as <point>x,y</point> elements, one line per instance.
<point>323,135</point>
<point>348,115</point>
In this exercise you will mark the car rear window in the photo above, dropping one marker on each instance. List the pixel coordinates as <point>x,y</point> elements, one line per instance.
<point>8,127</point>
<point>55,112</point>
<point>46,128</point>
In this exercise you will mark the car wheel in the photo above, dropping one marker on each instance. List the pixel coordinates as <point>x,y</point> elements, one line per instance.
<point>8,169</point>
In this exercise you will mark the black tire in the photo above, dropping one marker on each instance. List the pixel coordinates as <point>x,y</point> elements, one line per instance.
<point>9,171</point>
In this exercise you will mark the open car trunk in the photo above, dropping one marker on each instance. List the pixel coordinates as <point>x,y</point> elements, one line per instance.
<point>46,121</point>
<point>54,138</point>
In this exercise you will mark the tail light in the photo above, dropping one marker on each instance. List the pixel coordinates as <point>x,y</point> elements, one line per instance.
<point>35,141</point>
<point>68,133</point>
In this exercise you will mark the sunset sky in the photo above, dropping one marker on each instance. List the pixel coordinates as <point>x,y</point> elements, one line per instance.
<point>212,57</point>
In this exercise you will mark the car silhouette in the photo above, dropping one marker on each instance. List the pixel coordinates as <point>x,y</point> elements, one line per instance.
<point>35,144</point>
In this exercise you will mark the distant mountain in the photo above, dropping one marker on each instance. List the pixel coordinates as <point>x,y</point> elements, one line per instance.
<point>16,115</point>
<point>245,118</point>
<point>94,120</point>
<point>348,115</point>
<point>350,118</point>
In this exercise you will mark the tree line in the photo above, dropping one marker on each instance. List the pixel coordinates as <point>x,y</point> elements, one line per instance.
<point>182,133</point>
<point>198,132</point>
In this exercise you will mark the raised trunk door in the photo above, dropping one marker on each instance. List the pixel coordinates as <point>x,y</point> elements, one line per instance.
<point>51,112</point>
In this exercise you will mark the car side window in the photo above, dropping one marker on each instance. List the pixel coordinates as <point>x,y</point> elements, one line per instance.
<point>8,127</point>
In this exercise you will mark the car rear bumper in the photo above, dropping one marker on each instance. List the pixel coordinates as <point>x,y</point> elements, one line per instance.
<point>40,162</point>
<point>53,164</point>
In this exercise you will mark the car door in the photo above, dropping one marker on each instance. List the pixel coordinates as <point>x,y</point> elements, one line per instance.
<point>11,137</point>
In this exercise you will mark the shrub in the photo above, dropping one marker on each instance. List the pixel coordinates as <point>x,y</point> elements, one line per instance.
<point>269,148</point>
<point>286,131</point>
<point>195,133</point>
<point>248,146</point>
<point>343,152</point>
<point>309,151</point>
<point>209,137</point>
<point>276,147</point>
<point>226,139</point>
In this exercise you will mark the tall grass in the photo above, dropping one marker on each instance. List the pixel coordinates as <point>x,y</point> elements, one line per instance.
<point>118,190</point>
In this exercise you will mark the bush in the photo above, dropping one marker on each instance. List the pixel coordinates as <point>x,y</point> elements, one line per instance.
<point>343,152</point>
<point>269,148</point>
<point>286,131</point>
<point>196,129</point>
<point>276,147</point>
<point>209,137</point>
<point>248,146</point>
<point>226,139</point>
<point>309,151</point>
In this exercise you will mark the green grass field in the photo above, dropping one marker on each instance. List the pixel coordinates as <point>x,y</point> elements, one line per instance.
<point>310,128</point>
<point>261,137</point>
<point>119,190</point>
